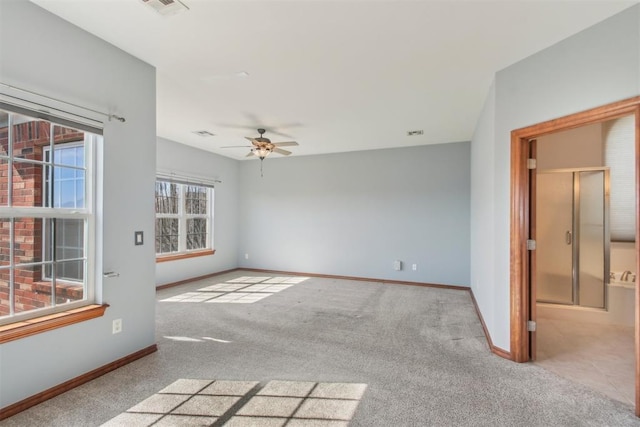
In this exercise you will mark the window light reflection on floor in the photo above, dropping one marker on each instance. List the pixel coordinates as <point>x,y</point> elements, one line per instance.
<point>241,290</point>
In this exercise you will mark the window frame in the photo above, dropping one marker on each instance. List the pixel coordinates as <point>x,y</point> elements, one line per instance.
<point>182,216</point>
<point>87,214</point>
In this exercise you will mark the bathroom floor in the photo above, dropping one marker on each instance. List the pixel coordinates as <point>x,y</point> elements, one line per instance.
<point>599,356</point>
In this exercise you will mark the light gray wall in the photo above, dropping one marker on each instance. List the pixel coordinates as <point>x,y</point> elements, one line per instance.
<point>483,218</point>
<point>353,214</point>
<point>595,67</point>
<point>183,160</point>
<point>39,51</point>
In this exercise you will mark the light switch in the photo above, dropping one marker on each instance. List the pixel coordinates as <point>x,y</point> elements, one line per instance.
<point>139,238</point>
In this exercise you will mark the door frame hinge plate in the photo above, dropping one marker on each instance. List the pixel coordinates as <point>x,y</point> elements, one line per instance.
<point>532,163</point>
<point>531,245</point>
<point>531,325</point>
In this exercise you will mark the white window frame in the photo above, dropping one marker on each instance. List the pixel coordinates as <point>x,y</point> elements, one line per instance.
<point>87,214</point>
<point>182,218</point>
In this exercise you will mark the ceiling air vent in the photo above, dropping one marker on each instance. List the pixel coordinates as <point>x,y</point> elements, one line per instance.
<point>166,7</point>
<point>203,133</point>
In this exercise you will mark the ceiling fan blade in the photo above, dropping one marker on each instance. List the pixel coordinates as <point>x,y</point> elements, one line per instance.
<point>254,141</point>
<point>286,144</point>
<point>237,146</point>
<point>281,151</point>
<point>250,154</point>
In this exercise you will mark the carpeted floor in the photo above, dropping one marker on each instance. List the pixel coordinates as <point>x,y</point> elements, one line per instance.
<point>420,352</point>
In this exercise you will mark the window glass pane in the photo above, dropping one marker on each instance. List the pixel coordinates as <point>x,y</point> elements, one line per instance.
<point>5,242</point>
<point>27,184</point>
<point>166,197</point>
<point>5,308</point>
<point>69,239</point>
<point>67,190</point>
<point>69,244</point>
<point>4,181</point>
<point>166,235</point>
<point>27,241</point>
<point>30,136</point>
<point>65,153</point>
<point>196,233</point>
<point>4,133</point>
<point>195,200</point>
<point>70,271</point>
<point>30,293</point>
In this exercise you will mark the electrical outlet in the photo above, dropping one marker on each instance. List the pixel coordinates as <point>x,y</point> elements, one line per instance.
<point>117,326</point>
<point>414,267</point>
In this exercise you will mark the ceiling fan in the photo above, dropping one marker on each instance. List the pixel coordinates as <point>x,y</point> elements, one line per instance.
<point>262,147</point>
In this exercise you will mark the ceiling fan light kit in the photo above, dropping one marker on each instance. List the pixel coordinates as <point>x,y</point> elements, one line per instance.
<point>262,147</point>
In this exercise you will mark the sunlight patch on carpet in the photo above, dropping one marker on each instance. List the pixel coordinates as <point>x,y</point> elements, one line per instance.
<point>241,290</point>
<point>194,402</point>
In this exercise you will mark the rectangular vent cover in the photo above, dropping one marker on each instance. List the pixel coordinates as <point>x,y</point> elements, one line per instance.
<point>166,7</point>
<point>203,133</point>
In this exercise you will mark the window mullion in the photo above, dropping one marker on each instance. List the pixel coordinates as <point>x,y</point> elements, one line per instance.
<point>182,222</point>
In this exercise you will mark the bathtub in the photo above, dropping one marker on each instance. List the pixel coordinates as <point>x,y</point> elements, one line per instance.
<point>619,279</point>
<point>622,297</point>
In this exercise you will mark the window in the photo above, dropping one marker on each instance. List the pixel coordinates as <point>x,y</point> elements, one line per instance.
<point>619,155</point>
<point>46,217</point>
<point>183,218</point>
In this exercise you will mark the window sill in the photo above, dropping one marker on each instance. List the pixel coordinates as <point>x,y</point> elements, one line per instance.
<point>26,328</point>
<point>165,258</point>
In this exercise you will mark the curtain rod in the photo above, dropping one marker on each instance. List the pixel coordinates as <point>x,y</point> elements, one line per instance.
<point>110,116</point>
<point>186,179</point>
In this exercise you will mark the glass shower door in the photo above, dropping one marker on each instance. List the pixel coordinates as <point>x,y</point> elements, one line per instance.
<point>591,250</point>
<point>554,237</point>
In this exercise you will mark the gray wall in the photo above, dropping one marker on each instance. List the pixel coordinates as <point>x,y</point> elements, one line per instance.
<point>37,52</point>
<point>354,214</point>
<point>183,160</point>
<point>483,219</point>
<point>595,67</point>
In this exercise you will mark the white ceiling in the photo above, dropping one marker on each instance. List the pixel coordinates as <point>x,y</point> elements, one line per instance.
<point>333,75</point>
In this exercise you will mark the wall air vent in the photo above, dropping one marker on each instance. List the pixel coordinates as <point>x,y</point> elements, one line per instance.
<point>415,132</point>
<point>166,7</point>
<point>203,133</point>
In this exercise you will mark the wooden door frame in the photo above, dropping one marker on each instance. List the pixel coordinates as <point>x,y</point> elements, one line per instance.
<point>520,219</point>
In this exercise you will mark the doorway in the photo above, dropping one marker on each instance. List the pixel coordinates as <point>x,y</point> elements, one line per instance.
<point>583,329</point>
<point>523,225</point>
